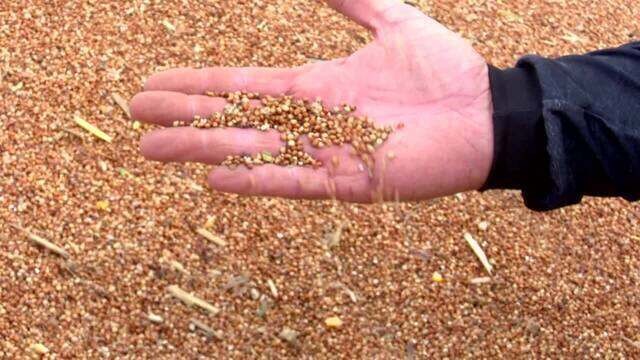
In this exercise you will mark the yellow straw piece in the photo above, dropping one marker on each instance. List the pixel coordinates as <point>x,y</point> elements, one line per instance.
<point>169,26</point>
<point>211,237</point>
<point>479,252</point>
<point>192,300</point>
<point>92,129</point>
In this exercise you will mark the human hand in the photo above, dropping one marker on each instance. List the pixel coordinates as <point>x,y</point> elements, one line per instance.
<point>419,77</point>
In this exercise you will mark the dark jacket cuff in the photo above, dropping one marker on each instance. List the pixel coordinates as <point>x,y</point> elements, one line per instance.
<point>520,158</point>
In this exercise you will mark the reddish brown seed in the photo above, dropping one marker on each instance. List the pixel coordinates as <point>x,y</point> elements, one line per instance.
<point>294,119</point>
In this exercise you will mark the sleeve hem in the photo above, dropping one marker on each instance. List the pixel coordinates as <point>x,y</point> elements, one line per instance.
<point>520,156</point>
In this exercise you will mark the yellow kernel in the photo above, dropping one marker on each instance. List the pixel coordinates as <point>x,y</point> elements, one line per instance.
<point>333,322</point>
<point>103,204</point>
<point>437,277</point>
<point>39,349</point>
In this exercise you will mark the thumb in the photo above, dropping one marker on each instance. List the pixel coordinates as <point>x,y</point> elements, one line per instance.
<point>374,14</point>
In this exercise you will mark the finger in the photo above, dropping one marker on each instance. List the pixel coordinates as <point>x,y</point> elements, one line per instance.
<point>289,182</point>
<point>210,146</point>
<point>270,81</point>
<point>372,14</point>
<point>165,107</point>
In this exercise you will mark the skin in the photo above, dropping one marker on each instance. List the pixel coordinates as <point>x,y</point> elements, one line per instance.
<point>419,77</point>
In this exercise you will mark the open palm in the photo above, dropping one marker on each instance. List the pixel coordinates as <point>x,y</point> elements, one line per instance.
<point>416,76</point>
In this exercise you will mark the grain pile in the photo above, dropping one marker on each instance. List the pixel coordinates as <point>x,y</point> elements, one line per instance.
<point>144,262</point>
<point>294,118</point>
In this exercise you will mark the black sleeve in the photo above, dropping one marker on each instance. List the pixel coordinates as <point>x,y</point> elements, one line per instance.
<point>568,127</point>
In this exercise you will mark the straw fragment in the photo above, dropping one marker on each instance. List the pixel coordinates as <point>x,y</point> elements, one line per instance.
<point>192,300</point>
<point>122,103</point>
<point>196,324</point>
<point>478,251</point>
<point>92,129</point>
<point>211,237</point>
<point>43,242</point>
<point>480,280</point>
<point>272,288</point>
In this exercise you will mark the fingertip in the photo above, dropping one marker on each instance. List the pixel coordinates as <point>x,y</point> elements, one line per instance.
<point>148,144</point>
<point>152,82</point>
<point>136,106</point>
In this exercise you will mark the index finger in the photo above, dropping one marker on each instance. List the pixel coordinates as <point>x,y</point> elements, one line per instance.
<point>264,80</point>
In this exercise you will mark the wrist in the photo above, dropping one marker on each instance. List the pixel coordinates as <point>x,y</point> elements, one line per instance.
<point>480,134</point>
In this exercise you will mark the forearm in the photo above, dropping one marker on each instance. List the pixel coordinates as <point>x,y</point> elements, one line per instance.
<point>568,127</point>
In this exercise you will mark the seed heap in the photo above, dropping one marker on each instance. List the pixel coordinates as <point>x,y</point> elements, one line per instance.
<point>294,118</point>
<point>563,284</point>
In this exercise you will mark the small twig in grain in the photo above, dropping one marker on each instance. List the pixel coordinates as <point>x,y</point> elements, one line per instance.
<point>289,335</point>
<point>155,318</point>
<point>177,266</point>
<point>43,242</point>
<point>332,238</point>
<point>635,344</point>
<point>169,26</point>
<point>263,307</point>
<point>272,288</point>
<point>205,329</point>
<point>211,237</point>
<point>92,129</point>
<point>238,284</point>
<point>99,290</point>
<point>71,267</point>
<point>352,295</point>
<point>480,280</point>
<point>122,103</point>
<point>191,300</point>
<point>478,251</point>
